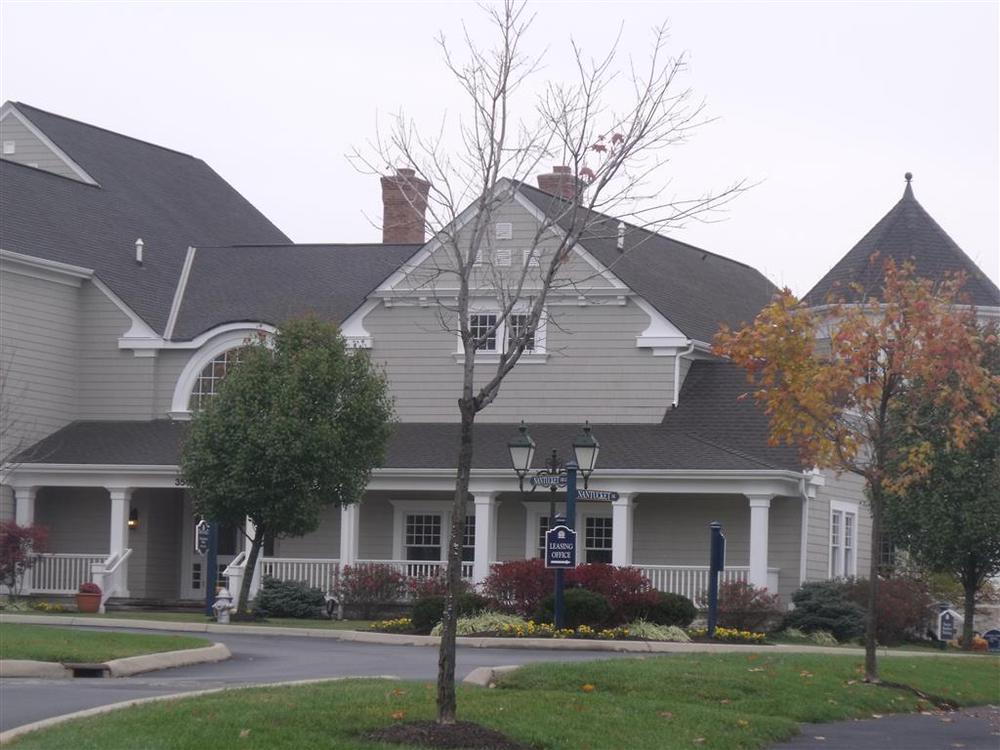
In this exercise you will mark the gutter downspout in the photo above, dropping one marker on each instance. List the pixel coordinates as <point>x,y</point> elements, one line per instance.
<point>677,370</point>
<point>804,535</point>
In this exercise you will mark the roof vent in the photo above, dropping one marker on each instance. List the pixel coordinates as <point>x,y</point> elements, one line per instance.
<point>621,235</point>
<point>138,251</point>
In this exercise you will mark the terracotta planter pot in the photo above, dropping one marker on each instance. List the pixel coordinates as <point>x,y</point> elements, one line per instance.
<point>88,603</point>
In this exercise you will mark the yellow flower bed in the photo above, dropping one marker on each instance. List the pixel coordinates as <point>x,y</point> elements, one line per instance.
<point>730,634</point>
<point>399,625</point>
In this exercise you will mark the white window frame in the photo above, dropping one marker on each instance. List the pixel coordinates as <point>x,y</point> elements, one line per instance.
<point>537,355</point>
<point>582,535</point>
<point>535,511</point>
<point>502,256</point>
<point>843,558</point>
<point>531,258</point>
<point>504,230</point>
<point>402,508</point>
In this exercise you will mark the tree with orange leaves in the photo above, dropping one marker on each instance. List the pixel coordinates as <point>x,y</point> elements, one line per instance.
<point>828,381</point>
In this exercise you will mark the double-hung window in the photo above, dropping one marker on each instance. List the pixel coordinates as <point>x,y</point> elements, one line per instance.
<point>843,540</point>
<point>517,326</point>
<point>483,327</point>
<point>597,539</point>
<point>469,539</point>
<point>423,536</point>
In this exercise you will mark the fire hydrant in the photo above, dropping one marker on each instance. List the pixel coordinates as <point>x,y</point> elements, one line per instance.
<point>223,605</point>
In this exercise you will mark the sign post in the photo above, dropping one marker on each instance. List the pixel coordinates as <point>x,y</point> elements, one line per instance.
<point>716,564</point>
<point>211,567</point>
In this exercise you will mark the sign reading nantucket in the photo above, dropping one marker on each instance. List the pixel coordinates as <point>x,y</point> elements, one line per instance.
<point>560,547</point>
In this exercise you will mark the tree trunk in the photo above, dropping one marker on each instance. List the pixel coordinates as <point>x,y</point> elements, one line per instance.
<point>871,625</point>
<point>446,706</point>
<point>255,545</point>
<point>969,612</point>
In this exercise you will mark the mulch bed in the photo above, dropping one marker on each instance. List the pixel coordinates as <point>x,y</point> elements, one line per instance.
<point>461,734</point>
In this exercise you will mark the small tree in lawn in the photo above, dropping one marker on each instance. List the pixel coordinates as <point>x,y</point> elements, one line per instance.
<point>829,385</point>
<point>18,547</point>
<point>610,126</point>
<point>297,425</point>
<point>949,520</point>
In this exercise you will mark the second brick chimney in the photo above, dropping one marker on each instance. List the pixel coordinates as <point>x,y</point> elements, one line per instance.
<point>404,203</point>
<point>561,182</point>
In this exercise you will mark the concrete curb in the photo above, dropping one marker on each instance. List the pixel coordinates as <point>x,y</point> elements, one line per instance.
<point>48,670</point>
<point>393,639</point>
<point>131,665</point>
<point>124,667</point>
<point>487,676</point>
<point>11,734</point>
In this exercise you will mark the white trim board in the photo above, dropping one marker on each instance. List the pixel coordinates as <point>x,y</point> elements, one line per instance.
<point>9,108</point>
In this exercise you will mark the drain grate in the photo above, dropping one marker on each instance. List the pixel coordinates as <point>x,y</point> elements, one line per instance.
<point>89,670</point>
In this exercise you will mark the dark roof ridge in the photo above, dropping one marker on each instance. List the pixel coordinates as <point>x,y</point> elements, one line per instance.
<point>105,130</point>
<point>310,244</point>
<point>643,229</point>
<point>721,446</point>
<point>39,170</point>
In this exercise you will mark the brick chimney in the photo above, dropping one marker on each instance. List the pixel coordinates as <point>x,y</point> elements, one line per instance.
<point>561,182</point>
<point>404,201</point>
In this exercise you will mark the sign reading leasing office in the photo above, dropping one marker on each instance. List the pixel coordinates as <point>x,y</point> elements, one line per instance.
<point>560,547</point>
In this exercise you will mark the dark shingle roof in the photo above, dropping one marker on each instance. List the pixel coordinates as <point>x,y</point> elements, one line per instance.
<point>906,233</point>
<point>169,199</point>
<point>711,430</point>
<point>271,284</point>
<point>694,289</point>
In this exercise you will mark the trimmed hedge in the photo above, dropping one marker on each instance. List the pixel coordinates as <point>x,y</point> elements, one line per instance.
<point>429,611</point>
<point>672,609</point>
<point>581,607</point>
<point>825,606</point>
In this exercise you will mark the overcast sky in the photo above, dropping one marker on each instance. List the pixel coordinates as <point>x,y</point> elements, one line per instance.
<point>825,104</point>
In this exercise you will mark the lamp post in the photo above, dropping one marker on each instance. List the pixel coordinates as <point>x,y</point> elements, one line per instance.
<point>585,451</point>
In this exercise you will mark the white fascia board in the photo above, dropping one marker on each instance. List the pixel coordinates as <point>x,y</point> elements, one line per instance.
<point>9,110</point>
<point>140,337</point>
<point>661,335</point>
<point>765,482</point>
<point>353,328</point>
<point>42,268</point>
<point>175,305</point>
<point>432,245</point>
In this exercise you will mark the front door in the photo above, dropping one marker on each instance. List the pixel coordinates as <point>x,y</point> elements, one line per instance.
<point>195,576</point>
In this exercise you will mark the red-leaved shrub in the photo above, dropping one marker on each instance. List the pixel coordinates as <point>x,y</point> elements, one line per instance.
<point>518,586</point>
<point>629,592</point>
<point>369,585</point>
<point>743,606</point>
<point>434,585</point>
<point>18,547</point>
<point>902,606</point>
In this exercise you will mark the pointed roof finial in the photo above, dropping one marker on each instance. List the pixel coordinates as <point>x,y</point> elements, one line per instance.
<point>908,190</point>
<point>908,176</point>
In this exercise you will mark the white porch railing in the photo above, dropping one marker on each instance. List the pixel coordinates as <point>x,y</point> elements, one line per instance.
<point>234,574</point>
<point>62,573</point>
<point>419,569</point>
<point>692,580</point>
<point>111,575</point>
<point>320,573</point>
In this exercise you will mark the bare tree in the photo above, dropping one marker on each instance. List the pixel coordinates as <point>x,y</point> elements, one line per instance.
<point>610,160</point>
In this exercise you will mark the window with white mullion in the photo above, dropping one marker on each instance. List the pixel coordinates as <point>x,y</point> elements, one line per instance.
<point>543,526</point>
<point>469,539</point>
<point>422,539</point>
<point>517,326</point>
<point>597,539</point>
<point>843,541</point>
<point>483,329</point>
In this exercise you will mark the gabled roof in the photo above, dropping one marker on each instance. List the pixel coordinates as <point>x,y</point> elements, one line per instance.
<point>711,429</point>
<point>906,233</point>
<point>272,283</point>
<point>169,199</point>
<point>694,289</point>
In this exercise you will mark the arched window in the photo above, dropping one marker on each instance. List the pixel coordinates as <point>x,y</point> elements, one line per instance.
<point>207,383</point>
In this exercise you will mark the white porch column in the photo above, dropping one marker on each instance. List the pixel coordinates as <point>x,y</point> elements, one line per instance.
<point>486,535</point>
<point>24,515</point>
<point>759,508</point>
<point>120,499</point>
<point>622,515</point>
<point>350,526</point>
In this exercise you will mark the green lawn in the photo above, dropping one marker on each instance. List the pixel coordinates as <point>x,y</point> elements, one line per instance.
<point>44,643</point>
<point>727,701</point>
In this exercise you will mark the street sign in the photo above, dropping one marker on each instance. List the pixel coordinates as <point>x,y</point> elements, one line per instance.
<point>948,623</point>
<point>560,547</point>
<point>606,495</point>
<point>549,480</point>
<point>202,536</point>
